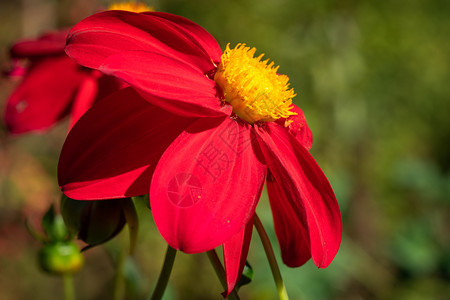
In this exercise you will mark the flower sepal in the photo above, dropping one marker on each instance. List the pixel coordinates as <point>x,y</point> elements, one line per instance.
<point>96,222</point>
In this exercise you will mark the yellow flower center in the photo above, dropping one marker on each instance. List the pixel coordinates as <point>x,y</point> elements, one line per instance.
<point>136,7</point>
<point>253,87</point>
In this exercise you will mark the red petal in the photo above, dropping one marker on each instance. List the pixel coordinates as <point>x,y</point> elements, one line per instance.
<point>192,30</point>
<point>84,99</point>
<point>291,229</point>
<point>18,68</point>
<point>94,88</point>
<point>107,85</point>
<point>235,252</point>
<point>112,150</point>
<point>298,127</point>
<point>51,43</point>
<point>308,189</point>
<point>206,185</point>
<point>111,32</point>
<point>171,83</point>
<point>45,94</point>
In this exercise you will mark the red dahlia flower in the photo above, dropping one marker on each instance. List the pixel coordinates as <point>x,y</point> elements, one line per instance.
<point>53,85</point>
<point>200,130</point>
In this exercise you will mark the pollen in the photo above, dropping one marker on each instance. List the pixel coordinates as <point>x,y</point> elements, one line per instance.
<point>252,86</point>
<point>136,7</point>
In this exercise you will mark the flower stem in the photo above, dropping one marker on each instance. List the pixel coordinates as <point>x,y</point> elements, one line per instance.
<point>220,271</point>
<point>69,290</point>
<point>119,285</point>
<point>281,289</point>
<point>165,274</point>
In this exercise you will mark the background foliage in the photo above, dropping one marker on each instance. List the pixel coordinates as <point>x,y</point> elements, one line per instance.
<point>373,80</point>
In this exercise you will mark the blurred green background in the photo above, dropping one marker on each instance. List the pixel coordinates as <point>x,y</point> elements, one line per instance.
<point>373,79</point>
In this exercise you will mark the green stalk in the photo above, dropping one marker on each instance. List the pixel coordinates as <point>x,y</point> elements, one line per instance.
<point>281,289</point>
<point>165,274</point>
<point>220,271</point>
<point>119,284</point>
<point>69,289</point>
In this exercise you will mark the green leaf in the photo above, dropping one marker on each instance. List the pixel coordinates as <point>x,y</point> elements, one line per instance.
<point>247,275</point>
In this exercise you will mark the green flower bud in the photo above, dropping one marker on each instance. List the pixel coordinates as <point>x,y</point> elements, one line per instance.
<point>95,222</point>
<point>60,258</point>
